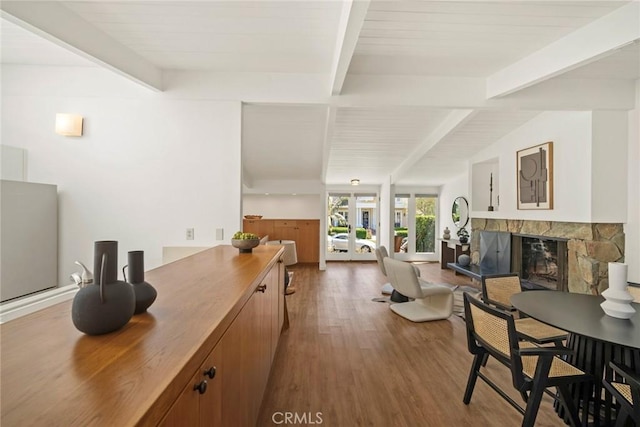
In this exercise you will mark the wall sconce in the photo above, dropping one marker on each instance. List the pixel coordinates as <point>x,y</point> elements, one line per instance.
<point>69,124</point>
<point>355,181</point>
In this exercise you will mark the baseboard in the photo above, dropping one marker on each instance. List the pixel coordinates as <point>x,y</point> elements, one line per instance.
<point>23,306</point>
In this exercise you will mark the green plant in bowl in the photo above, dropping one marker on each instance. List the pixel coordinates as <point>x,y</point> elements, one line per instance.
<point>245,242</point>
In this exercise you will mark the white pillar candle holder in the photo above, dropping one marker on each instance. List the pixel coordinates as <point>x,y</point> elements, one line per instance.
<point>617,298</point>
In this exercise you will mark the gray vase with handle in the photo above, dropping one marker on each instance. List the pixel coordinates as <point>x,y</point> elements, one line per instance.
<point>107,304</point>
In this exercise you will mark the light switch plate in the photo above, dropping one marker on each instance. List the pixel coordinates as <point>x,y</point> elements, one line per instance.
<point>219,233</point>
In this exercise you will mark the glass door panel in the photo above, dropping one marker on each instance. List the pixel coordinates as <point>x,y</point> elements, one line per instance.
<point>401,223</point>
<point>352,221</point>
<point>414,227</point>
<point>425,214</point>
<point>338,227</point>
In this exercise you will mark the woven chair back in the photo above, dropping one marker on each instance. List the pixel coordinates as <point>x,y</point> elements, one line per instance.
<point>500,289</point>
<point>491,330</point>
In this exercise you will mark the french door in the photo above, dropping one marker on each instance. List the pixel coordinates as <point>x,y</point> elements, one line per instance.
<point>352,224</point>
<point>414,227</point>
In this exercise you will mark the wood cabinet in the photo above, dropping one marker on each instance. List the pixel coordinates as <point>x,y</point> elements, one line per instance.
<point>240,362</point>
<point>305,232</point>
<point>200,403</point>
<point>215,309</point>
<point>450,250</point>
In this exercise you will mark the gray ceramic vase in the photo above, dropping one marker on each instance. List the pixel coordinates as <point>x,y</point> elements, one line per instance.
<point>144,292</point>
<point>464,260</point>
<point>107,304</point>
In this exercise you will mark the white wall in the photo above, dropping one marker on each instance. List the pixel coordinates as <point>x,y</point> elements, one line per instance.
<point>609,166</point>
<point>596,178</point>
<point>147,167</point>
<point>458,187</point>
<point>571,133</point>
<point>13,163</point>
<point>282,206</point>
<point>482,174</point>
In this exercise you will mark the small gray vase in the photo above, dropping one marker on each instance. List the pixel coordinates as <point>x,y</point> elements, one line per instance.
<point>144,292</point>
<point>105,306</point>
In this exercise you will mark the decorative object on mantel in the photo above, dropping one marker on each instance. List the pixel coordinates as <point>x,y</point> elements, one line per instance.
<point>144,292</point>
<point>490,208</point>
<point>106,306</point>
<point>464,260</point>
<point>618,299</point>
<point>446,234</point>
<point>535,177</point>
<point>245,242</point>
<point>463,235</point>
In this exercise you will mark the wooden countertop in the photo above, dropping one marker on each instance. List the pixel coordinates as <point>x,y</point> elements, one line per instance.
<point>52,374</point>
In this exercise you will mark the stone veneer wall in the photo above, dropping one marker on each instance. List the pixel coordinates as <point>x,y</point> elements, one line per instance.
<point>591,247</point>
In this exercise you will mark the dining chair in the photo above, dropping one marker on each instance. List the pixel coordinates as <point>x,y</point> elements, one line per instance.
<point>491,331</point>
<point>497,290</point>
<point>625,388</point>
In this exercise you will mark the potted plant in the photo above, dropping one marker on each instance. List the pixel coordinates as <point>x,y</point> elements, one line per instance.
<point>463,235</point>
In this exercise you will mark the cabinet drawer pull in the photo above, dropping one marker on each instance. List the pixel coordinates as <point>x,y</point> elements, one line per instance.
<point>261,288</point>
<point>201,387</point>
<point>211,372</point>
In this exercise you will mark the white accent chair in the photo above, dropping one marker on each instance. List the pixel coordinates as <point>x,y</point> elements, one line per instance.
<point>430,301</point>
<point>381,254</point>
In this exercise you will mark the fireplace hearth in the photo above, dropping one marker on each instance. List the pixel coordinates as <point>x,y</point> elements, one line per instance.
<point>541,261</point>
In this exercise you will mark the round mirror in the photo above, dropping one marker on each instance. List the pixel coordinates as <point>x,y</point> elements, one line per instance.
<point>460,212</point>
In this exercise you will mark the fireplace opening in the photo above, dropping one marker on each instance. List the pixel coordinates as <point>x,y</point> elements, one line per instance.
<point>541,261</point>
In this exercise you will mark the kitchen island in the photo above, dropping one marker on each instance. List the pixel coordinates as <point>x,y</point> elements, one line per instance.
<point>201,355</point>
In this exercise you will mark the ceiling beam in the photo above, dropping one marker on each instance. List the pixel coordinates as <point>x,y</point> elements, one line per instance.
<point>470,93</point>
<point>56,23</point>
<point>328,137</point>
<point>351,21</point>
<point>594,41</point>
<point>453,121</point>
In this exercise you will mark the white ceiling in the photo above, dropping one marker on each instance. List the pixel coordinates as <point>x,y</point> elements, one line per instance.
<point>409,98</point>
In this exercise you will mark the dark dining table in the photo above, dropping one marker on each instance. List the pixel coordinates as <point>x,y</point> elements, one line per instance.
<point>596,339</point>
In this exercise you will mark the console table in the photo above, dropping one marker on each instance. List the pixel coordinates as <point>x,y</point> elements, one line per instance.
<point>201,355</point>
<point>450,250</point>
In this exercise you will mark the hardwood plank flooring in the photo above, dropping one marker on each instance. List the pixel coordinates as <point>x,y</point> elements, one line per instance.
<point>359,364</point>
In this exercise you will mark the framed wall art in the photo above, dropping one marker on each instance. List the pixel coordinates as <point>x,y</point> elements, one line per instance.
<point>534,166</point>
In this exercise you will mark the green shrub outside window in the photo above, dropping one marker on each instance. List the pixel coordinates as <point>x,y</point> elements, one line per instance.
<point>361,233</point>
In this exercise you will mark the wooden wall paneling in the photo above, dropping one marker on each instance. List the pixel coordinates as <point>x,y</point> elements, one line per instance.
<point>305,232</point>
<point>308,235</point>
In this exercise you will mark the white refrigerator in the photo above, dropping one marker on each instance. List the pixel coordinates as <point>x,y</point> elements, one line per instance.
<point>29,238</point>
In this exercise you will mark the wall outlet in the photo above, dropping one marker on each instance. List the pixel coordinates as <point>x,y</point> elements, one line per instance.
<point>190,233</point>
<point>219,233</point>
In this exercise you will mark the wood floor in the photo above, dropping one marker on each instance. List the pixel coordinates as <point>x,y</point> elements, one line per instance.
<point>358,364</point>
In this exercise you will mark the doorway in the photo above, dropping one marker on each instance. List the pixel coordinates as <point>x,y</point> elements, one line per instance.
<point>414,227</point>
<point>352,224</point>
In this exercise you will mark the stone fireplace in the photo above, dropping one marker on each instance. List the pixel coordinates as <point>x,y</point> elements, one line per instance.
<point>590,247</point>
